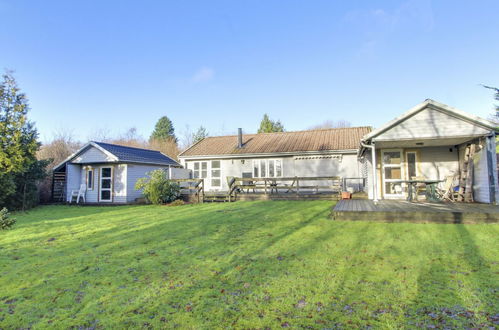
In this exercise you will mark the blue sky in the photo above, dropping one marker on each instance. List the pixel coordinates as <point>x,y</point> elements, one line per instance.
<point>91,66</point>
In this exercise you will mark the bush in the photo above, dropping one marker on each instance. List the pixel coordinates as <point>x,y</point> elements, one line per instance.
<point>157,189</point>
<point>5,220</point>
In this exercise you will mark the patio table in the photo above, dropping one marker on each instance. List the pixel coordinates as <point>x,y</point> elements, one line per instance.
<point>431,189</point>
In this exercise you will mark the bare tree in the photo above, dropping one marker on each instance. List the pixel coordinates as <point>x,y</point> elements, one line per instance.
<point>168,147</point>
<point>341,123</point>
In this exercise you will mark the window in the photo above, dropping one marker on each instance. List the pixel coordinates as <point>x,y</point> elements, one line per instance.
<point>90,179</point>
<point>106,182</point>
<point>271,168</point>
<point>200,170</point>
<point>215,173</point>
<point>411,165</point>
<point>392,173</point>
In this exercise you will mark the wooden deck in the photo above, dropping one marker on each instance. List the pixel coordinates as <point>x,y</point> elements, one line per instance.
<point>403,211</point>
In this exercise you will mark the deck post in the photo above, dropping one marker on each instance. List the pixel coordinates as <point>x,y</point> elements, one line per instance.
<point>375,179</point>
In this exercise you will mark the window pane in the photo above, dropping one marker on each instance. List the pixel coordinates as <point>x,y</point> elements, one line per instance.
<point>392,157</point>
<point>90,176</point>
<point>196,166</point>
<point>106,172</point>
<point>106,183</point>
<point>271,168</point>
<point>215,182</point>
<point>392,173</point>
<point>215,173</point>
<point>204,174</point>
<point>196,175</point>
<point>105,195</point>
<point>204,165</point>
<point>215,164</point>
<point>411,165</point>
<point>263,170</point>
<point>255,169</point>
<point>278,168</point>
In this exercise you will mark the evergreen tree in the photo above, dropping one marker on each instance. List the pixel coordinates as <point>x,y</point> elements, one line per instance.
<point>200,134</point>
<point>268,126</point>
<point>163,130</point>
<point>19,168</point>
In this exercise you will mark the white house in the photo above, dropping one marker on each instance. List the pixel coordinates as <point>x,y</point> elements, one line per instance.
<point>313,153</point>
<point>109,172</point>
<point>430,141</point>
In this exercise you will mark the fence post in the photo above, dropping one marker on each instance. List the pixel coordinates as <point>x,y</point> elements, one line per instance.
<point>297,186</point>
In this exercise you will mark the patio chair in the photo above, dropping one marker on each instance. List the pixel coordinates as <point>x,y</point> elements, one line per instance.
<point>447,193</point>
<point>79,194</point>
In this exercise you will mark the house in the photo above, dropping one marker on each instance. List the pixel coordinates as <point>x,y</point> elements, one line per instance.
<point>109,172</point>
<point>434,141</point>
<point>313,153</point>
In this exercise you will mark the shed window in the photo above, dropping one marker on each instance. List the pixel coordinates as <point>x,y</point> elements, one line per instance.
<point>90,179</point>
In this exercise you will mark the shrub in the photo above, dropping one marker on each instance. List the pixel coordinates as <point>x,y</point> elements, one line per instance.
<point>157,189</point>
<point>5,220</point>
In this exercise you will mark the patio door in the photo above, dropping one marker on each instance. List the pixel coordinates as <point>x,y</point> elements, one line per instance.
<point>106,184</point>
<point>392,173</point>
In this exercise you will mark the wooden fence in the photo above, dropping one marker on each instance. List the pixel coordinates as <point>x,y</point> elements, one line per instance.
<point>191,188</point>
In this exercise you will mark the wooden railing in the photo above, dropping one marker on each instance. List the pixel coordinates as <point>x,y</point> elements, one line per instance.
<point>283,185</point>
<point>193,186</point>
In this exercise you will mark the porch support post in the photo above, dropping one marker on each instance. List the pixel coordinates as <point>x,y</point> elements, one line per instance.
<point>375,179</point>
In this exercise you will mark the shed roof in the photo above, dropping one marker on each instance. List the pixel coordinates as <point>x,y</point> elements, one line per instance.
<point>332,139</point>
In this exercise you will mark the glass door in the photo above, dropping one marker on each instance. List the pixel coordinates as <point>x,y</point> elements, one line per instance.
<point>105,184</point>
<point>392,174</point>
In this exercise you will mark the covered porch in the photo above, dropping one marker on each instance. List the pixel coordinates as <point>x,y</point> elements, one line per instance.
<point>404,211</point>
<point>432,147</point>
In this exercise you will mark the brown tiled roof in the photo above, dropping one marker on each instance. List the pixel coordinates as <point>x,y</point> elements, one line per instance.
<point>313,140</point>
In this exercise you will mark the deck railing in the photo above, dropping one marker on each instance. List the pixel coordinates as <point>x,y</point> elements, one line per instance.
<point>191,187</point>
<point>293,185</point>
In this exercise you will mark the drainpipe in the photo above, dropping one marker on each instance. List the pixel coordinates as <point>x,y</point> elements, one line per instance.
<point>373,156</point>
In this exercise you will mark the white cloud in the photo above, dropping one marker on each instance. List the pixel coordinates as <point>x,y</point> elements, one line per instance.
<point>204,74</point>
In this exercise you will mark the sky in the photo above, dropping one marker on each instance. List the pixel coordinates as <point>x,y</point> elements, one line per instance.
<point>90,67</point>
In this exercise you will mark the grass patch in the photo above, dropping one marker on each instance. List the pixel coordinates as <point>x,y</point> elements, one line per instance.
<point>245,265</point>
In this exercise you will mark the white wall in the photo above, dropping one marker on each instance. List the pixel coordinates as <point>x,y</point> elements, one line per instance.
<point>485,172</point>
<point>135,172</point>
<point>431,123</point>
<point>72,179</point>
<point>119,182</point>
<point>92,155</point>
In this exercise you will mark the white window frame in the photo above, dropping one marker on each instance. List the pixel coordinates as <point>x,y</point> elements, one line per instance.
<point>400,166</point>
<point>416,164</point>
<point>200,169</point>
<point>258,162</point>
<point>211,177</point>
<point>110,189</point>
<point>92,176</point>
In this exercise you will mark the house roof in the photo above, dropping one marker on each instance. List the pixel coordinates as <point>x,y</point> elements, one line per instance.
<point>332,139</point>
<point>124,154</point>
<point>429,103</point>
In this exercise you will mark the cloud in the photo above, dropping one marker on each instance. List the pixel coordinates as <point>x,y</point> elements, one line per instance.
<point>203,75</point>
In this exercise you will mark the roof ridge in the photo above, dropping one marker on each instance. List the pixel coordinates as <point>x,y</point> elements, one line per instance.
<point>302,131</point>
<point>120,145</point>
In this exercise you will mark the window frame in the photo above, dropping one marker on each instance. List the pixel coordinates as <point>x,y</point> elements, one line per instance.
<point>90,175</point>
<point>257,165</point>
<point>110,189</point>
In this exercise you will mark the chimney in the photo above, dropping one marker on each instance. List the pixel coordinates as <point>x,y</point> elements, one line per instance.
<point>239,138</point>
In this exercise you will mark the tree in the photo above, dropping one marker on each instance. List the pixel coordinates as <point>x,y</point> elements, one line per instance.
<point>496,97</point>
<point>332,124</point>
<point>269,126</point>
<point>157,189</point>
<point>200,134</point>
<point>163,130</point>
<point>19,167</point>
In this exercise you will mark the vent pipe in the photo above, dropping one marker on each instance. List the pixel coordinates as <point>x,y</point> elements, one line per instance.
<point>239,138</point>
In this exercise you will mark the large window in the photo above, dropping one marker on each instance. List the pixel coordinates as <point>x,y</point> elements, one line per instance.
<point>215,173</point>
<point>200,170</point>
<point>267,168</point>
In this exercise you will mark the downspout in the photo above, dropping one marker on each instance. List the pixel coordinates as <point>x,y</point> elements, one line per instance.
<point>373,156</point>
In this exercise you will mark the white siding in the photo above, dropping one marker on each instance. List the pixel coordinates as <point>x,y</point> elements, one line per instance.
<point>485,173</point>
<point>72,179</point>
<point>135,172</point>
<point>179,173</point>
<point>438,162</point>
<point>91,195</point>
<point>430,123</point>
<point>120,183</point>
<point>92,155</point>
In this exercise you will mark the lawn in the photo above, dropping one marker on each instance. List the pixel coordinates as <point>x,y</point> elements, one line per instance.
<point>242,265</point>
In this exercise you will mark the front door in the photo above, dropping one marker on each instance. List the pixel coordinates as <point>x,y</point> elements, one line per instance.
<point>392,173</point>
<point>106,184</point>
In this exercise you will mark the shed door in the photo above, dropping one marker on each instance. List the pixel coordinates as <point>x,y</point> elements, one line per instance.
<point>106,184</point>
<point>392,174</point>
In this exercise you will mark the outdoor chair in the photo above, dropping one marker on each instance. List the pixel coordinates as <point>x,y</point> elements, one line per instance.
<point>79,194</point>
<point>420,187</point>
<point>447,193</point>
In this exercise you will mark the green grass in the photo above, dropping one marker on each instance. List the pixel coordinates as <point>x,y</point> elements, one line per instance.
<point>242,265</point>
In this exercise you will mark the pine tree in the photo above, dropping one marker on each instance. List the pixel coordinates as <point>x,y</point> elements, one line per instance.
<point>268,126</point>
<point>19,168</point>
<point>163,130</point>
<point>200,134</point>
